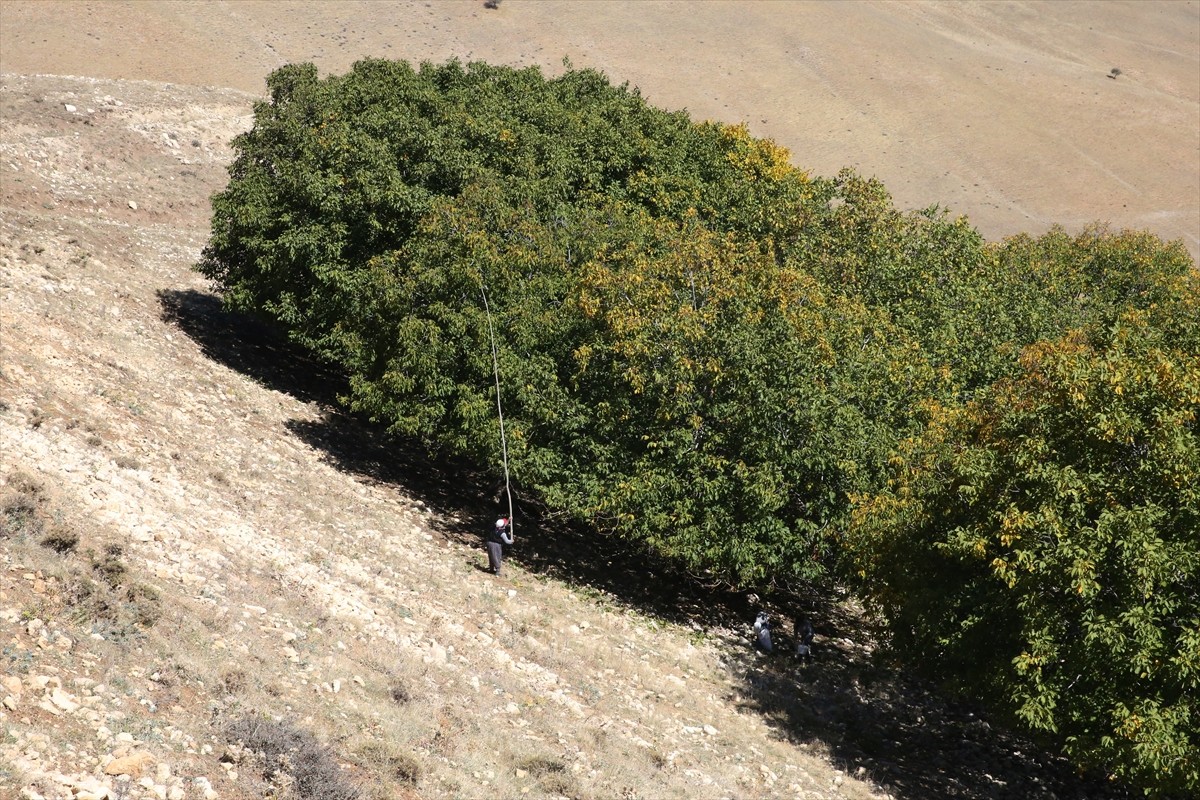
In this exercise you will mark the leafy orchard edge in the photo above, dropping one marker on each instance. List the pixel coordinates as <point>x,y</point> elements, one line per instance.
<point>771,378</point>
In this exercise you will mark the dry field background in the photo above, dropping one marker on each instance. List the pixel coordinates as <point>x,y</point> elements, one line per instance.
<point>1003,111</point>
<point>196,546</point>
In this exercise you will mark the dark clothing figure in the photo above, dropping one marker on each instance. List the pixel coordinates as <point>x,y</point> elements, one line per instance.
<point>804,638</point>
<point>497,538</point>
<point>495,551</point>
<point>762,632</point>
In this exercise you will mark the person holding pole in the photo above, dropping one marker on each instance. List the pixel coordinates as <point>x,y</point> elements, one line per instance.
<point>497,538</point>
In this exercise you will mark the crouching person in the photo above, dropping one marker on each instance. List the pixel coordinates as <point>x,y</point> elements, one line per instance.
<point>762,632</point>
<point>804,638</point>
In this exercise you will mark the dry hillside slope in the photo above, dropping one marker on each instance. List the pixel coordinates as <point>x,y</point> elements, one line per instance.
<point>1006,112</point>
<point>196,548</point>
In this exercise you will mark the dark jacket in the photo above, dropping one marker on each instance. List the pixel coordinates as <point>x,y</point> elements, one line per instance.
<point>501,535</point>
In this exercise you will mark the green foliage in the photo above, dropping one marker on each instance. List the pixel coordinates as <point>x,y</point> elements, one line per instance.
<point>734,407</point>
<point>706,350</point>
<point>1040,543</point>
<point>379,216</point>
<point>970,304</point>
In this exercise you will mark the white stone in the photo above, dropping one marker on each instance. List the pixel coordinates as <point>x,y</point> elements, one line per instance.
<point>49,707</point>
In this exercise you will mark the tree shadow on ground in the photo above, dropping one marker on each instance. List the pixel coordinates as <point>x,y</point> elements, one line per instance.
<point>251,346</point>
<point>850,702</point>
<point>464,499</point>
<point>855,701</point>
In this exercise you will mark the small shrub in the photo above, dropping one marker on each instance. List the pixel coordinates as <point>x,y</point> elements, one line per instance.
<point>81,592</point>
<point>145,604</point>
<point>21,507</point>
<point>233,681</point>
<point>19,516</point>
<point>406,768</point>
<point>23,483</point>
<point>61,541</point>
<point>551,774</point>
<point>558,784</point>
<point>106,599</point>
<point>19,661</point>
<point>540,766</point>
<point>109,565</point>
<point>294,755</point>
<point>127,462</point>
<point>387,760</point>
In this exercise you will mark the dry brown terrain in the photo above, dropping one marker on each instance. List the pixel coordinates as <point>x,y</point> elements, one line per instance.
<point>195,545</point>
<point>1001,111</point>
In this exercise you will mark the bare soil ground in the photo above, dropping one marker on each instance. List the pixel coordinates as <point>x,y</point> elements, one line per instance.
<point>196,546</point>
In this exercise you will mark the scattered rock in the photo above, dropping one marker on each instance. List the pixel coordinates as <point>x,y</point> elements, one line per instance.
<point>134,765</point>
<point>64,701</point>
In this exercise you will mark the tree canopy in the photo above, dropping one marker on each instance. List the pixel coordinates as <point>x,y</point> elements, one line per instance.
<point>1040,543</point>
<point>767,376</point>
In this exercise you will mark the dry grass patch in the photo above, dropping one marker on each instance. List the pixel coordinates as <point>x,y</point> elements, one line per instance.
<point>21,501</point>
<point>94,590</point>
<point>393,767</point>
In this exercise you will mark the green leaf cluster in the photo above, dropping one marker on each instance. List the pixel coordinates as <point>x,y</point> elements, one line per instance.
<point>667,372</point>
<point>770,377</point>
<point>1041,543</point>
